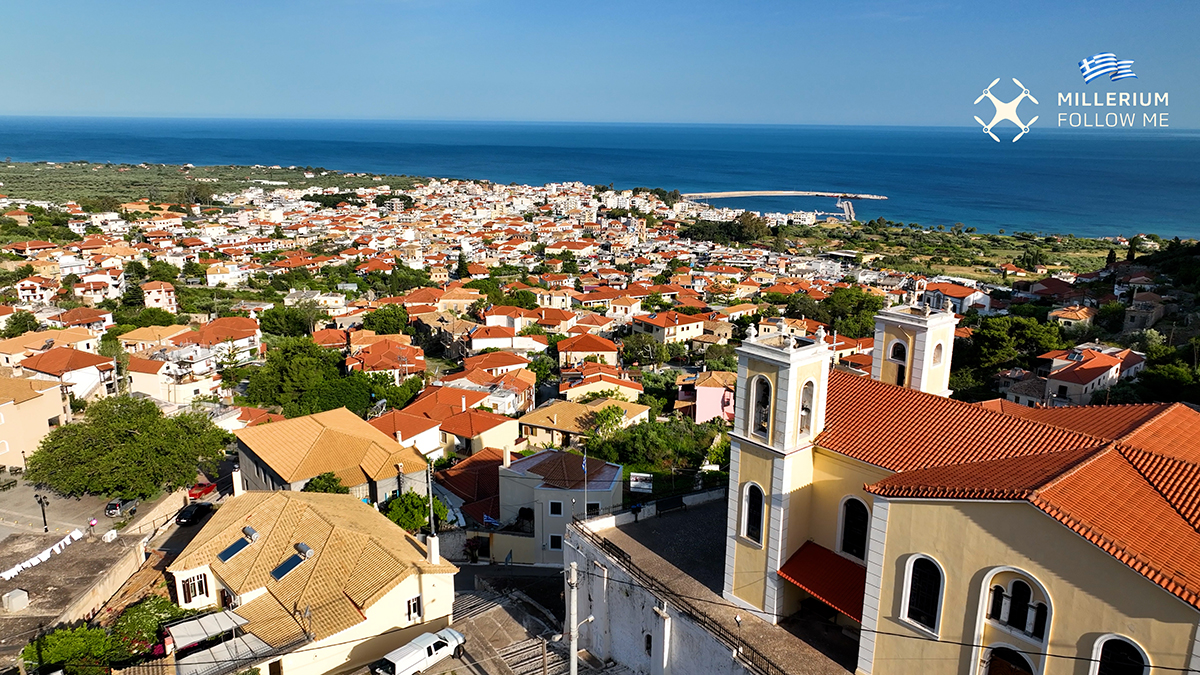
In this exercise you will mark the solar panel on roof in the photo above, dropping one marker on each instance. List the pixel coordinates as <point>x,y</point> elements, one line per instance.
<point>233,549</point>
<point>287,566</point>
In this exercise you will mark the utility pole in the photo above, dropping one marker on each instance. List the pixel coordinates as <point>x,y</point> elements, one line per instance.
<point>573,615</point>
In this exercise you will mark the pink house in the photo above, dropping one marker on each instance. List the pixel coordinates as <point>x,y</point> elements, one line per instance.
<point>707,394</point>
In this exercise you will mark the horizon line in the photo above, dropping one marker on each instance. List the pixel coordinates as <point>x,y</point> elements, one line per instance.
<point>378,120</point>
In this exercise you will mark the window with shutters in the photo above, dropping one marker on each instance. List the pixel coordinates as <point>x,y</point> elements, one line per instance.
<point>195,587</point>
<point>414,608</point>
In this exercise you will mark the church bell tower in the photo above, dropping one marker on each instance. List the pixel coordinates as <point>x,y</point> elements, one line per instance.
<point>913,346</point>
<point>781,394</point>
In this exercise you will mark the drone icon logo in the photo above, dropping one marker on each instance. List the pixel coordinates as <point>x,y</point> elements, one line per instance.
<point>1006,111</point>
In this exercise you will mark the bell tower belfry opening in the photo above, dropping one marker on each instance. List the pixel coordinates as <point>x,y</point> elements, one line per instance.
<point>781,395</point>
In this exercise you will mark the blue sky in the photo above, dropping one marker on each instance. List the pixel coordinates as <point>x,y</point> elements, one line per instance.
<point>852,62</point>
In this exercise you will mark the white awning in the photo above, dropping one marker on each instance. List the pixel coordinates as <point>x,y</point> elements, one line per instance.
<point>227,656</point>
<point>202,628</point>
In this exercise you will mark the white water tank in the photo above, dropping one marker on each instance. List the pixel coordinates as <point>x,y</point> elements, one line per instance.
<point>15,600</point>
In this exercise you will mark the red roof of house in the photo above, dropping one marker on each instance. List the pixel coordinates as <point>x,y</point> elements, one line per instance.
<point>405,424</point>
<point>438,403</point>
<point>476,481</point>
<point>61,360</point>
<point>587,343</point>
<point>664,319</point>
<point>471,423</point>
<point>494,360</point>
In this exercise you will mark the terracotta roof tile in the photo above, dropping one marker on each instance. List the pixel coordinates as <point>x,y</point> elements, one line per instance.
<point>902,429</point>
<point>837,581</point>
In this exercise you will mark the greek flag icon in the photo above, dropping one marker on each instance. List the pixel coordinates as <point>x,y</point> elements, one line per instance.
<point>1106,63</point>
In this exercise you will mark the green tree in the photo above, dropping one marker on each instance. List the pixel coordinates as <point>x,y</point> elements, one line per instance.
<point>134,272</point>
<point>462,270</point>
<point>1111,259</point>
<point>20,323</point>
<point>134,296</point>
<point>411,510</point>
<point>644,349</point>
<point>285,321</point>
<point>326,482</point>
<point>137,630</point>
<point>162,271</point>
<point>388,320</point>
<point>126,447</point>
<point>852,311</point>
<point>1135,246</point>
<point>1111,317</point>
<point>603,422</point>
<point>543,367</point>
<point>80,651</point>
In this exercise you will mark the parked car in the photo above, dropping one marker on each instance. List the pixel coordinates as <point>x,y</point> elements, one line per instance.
<point>201,490</point>
<point>422,653</point>
<point>121,507</point>
<point>193,513</point>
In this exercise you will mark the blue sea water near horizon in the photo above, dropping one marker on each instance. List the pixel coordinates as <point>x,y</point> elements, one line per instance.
<point>1089,183</point>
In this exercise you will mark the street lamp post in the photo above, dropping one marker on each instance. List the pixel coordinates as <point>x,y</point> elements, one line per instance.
<point>42,502</point>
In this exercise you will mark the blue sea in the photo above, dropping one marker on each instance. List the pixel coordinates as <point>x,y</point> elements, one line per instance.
<point>1087,182</point>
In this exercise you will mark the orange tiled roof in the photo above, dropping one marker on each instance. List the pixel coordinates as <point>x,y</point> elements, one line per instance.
<point>904,429</point>
<point>838,582</point>
<point>1152,527</point>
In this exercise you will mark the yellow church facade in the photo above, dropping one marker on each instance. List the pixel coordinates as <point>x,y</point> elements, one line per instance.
<point>954,537</point>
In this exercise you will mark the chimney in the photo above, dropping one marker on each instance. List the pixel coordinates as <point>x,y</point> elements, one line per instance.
<point>236,476</point>
<point>433,555</point>
<point>507,457</point>
<point>464,402</point>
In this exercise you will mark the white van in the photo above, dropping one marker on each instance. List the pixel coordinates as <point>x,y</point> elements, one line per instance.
<point>421,654</point>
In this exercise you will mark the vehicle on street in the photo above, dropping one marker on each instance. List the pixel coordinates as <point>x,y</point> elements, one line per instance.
<point>201,490</point>
<point>121,507</point>
<point>422,653</point>
<point>193,513</point>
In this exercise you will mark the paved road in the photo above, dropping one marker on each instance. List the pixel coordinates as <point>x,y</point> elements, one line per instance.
<point>19,510</point>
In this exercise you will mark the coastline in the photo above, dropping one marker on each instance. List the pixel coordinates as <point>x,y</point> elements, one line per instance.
<point>1053,182</point>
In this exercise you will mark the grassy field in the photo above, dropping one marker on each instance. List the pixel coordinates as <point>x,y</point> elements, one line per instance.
<point>61,182</point>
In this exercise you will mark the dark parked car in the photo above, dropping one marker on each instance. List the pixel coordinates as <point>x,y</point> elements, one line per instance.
<point>193,513</point>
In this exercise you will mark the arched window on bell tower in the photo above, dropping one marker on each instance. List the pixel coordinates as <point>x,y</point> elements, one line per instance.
<point>899,355</point>
<point>807,401</point>
<point>760,408</point>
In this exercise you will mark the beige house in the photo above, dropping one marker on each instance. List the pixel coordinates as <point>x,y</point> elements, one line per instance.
<point>563,424</point>
<point>286,455</point>
<point>161,295</point>
<point>669,327</point>
<point>458,300</point>
<point>1074,315</point>
<point>15,350</point>
<point>29,409</point>
<point>164,381</point>
<point>151,338</point>
<point>576,349</point>
<point>599,383</point>
<point>553,482</point>
<point>309,583</point>
<point>469,431</point>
